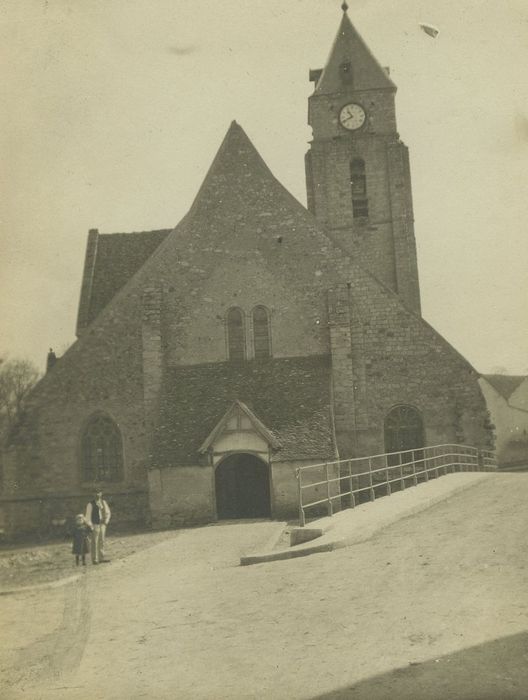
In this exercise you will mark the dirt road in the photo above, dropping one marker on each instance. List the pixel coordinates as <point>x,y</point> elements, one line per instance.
<point>434,607</point>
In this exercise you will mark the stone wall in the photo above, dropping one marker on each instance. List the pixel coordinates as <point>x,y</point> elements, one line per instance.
<point>199,335</point>
<point>53,516</point>
<point>101,373</point>
<point>397,358</point>
<point>384,242</point>
<point>286,488</point>
<point>246,241</point>
<point>181,496</point>
<point>379,105</point>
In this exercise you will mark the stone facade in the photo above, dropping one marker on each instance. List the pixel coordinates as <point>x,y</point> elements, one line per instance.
<point>383,240</point>
<point>154,366</point>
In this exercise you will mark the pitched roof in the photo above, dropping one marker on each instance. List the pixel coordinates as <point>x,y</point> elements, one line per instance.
<point>241,408</point>
<point>291,396</point>
<point>240,213</point>
<point>240,208</point>
<point>237,186</point>
<point>350,47</point>
<point>111,260</point>
<point>504,384</point>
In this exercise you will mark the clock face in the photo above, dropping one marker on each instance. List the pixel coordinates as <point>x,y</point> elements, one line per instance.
<point>352,116</point>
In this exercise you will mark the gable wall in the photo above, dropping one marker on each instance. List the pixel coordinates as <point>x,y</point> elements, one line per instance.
<point>242,441</point>
<point>200,335</point>
<point>398,359</point>
<point>247,242</point>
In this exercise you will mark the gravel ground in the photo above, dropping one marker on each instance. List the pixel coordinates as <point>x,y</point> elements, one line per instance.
<point>434,607</point>
<point>29,565</point>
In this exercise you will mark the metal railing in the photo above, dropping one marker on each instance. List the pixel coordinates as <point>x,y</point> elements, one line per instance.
<point>332,486</point>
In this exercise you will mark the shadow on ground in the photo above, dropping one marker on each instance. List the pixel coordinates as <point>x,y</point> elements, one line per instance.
<point>497,670</point>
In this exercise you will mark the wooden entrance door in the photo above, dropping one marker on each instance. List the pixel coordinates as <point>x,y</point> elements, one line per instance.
<point>403,431</point>
<point>242,488</point>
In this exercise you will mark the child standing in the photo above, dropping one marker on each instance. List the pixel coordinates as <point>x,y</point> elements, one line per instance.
<point>81,539</point>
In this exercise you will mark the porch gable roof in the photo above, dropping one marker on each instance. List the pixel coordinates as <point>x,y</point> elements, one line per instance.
<point>257,424</point>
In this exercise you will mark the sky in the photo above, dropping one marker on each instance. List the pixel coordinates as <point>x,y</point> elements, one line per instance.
<point>114,109</point>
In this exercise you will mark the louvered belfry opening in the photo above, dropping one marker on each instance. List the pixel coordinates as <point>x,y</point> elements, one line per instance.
<point>358,184</point>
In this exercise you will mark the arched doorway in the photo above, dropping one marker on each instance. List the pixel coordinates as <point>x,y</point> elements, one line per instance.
<point>242,487</point>
<point>403,429</point>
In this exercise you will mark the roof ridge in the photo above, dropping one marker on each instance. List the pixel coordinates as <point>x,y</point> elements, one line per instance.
<point>137,233</point>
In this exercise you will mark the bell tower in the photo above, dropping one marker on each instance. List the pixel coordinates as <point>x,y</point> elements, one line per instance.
<point>357,169</point>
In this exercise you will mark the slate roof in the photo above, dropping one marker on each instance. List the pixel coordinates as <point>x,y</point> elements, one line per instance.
<point>117,257</point>
<point>349,46</point>
<point>504,384</point>
<point>291,396</point>
<point>238,185</point>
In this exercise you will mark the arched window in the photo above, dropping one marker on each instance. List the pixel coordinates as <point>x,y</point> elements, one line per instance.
<point>101,450</point>
<point>403,429</point>
<point>358,185</point>
<point>236,341</point>
<point>261,333</point>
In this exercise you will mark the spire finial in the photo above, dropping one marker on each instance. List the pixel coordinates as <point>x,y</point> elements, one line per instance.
<point>344,6</point>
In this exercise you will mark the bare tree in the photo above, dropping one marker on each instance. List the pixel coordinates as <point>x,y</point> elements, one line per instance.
<point>17,378</point>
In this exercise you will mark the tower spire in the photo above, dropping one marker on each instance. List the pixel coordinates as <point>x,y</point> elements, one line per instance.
<point>350,48</point>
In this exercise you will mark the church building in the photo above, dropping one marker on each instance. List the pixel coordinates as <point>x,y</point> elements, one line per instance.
<point>257,336</point>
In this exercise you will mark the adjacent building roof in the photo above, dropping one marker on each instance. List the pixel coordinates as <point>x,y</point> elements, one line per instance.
<point>291,396</point>
<point>504,384</point>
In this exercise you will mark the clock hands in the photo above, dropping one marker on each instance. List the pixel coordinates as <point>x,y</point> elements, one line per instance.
<point>352,116</point>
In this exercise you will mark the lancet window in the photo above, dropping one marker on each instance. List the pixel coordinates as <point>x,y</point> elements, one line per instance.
<point>236,336</point>
<point>261,332</point>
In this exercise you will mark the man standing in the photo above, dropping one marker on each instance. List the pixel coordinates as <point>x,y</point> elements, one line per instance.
<point>97,517</point>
